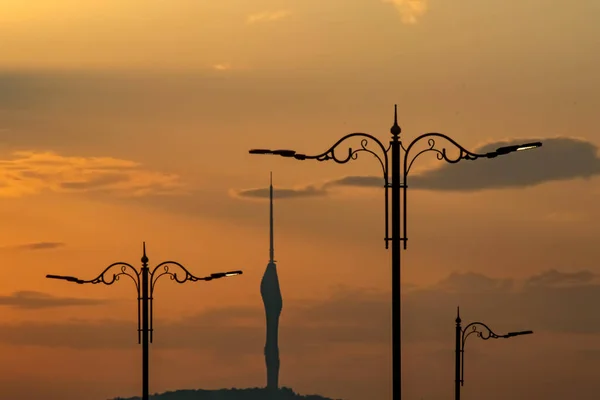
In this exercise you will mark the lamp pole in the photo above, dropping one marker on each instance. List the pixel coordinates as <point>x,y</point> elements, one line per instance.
<point>144,281</point>
<point>461,337</point>
<point>400,167</point>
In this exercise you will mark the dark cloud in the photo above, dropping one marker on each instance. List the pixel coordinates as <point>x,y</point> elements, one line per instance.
<point>357,317</point>
<point>235,330</point>
<point>472,282</point>
<point>35,246</point>
<point>95,183</point>
<point>561,303</point>
<point>361,181</point>
<point>38,300</point>
<point>556,278</point>
<point>558,159</point>
<point>261,193</point>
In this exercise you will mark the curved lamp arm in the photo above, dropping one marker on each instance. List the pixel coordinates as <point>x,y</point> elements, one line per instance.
<point>485,334</point>
<point>187,275</point>
<point>466,332</point>
<point>441,154</point>
<point>330,154</point>
<point>105,277</point>
<point>352,153</point>
<point>108,279</point>
<point>156,274</point>
<point>163,269</point>
<point>166,270</point>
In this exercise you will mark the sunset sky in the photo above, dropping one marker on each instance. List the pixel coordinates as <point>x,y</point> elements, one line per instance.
<point>123,121</point>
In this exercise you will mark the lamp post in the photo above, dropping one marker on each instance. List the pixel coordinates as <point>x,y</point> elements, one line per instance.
<point>397,183</point>
<point>461,337</point>
<point>144,281</point>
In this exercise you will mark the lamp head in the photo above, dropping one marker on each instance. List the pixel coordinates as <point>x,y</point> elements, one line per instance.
<point>218,275</point>
<point>517,147</point>
<point>65,278</point>
<point>512,334</point>
<point>260,151</point>
<point>528,146</point>
<point>284,153</point>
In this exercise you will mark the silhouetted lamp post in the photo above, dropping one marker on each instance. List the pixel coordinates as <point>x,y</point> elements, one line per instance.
<point>144,281</point>
<point>398,182</point>
<point>461,337</point>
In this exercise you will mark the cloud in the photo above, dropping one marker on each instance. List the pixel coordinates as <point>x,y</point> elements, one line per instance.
<point>410,10</point>
<point>552,301</point>
<point>37,300</point>
<point>350,316</point>
<point>222,67</point>
<point>555,278</point>
<point>35,246</point>
<point>346,317</point>
<point>267,16</point>
<point>565,216</point>
<point>349,333</point>
<point>31,172</point>
<point>559,159</point>
<point>360,181</point>
<point>473,282</point>
<point>263,193</point>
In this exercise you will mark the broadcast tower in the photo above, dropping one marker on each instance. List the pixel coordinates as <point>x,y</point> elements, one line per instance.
<point>271,295</point>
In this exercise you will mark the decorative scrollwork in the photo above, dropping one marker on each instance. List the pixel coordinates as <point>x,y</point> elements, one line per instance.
<point>441,153</point>
<point>330,154</point>
<point>383,159</point>
<point>485,334</point>
<point>109,278</point>
<point>164,269</point>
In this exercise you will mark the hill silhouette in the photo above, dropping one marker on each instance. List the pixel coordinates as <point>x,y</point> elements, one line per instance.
<point>284,393</point>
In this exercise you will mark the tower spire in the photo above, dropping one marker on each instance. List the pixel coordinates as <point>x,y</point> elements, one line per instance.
<point>395,130</point>
<point>271,249</point>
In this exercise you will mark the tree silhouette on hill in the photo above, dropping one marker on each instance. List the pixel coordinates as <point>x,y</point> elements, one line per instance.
<point>283,393</point>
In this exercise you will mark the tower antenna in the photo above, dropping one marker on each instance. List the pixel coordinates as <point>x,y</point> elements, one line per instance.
<point>271,249</point>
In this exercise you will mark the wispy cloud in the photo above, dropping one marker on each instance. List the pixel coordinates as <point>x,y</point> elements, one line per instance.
<point>565,216</point>
<point>556,278</point>
<point>348,316</point>
<point>410,10</point>
<point>222,67</point>
<point>262,193</point>
<point>267,16</point>
<point>34,246</point>
<point>37,300</point>
<point>560,159</point>
<point>31,172</point>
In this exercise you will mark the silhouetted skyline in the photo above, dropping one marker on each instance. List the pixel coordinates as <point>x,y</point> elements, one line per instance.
<point>124,121</point>
<point>229,394</point>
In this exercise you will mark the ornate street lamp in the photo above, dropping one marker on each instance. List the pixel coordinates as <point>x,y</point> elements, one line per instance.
<point>144,281</point>
<point>397,183</point>
<point>461,337</point>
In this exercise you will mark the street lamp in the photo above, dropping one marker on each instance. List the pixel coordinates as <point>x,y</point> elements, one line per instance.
<point>461,337</point>
<point>144,281</point>
<point>398,182</point>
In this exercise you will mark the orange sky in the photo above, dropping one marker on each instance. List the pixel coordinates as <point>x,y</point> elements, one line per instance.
<point>129,121</point>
